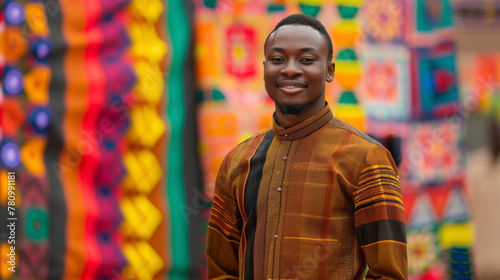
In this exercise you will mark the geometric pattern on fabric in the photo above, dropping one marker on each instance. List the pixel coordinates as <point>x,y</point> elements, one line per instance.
<point>428,124</point>
<point>433,152</point>
<point>242,41</point>
<point>385,20</point>
<point>423,251</point>
<point>434,82</point>
<point>116,84</point>
<point>384,91</point>
<point>438,228</point>
<point>431,205</point>
<point>141,202</point>
<point>346,34</point>
<point>461,262</point>
<point>422,214</point>
<point>457,208</point>
<point>431,255</point>
<point>431,22</point>
<point>25,118</point>
<point>33,260</point>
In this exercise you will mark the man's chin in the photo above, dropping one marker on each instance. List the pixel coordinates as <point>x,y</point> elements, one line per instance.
<point>291,109</point>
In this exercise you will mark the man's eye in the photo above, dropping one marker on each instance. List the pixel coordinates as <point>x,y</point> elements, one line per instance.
<point>307,60</point>
<point>277,59</point>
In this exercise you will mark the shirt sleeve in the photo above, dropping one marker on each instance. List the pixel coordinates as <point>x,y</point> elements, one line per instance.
<point>224,229</point>
<point>379,217</point>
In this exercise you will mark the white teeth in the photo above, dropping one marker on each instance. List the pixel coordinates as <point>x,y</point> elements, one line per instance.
<point>290,86</point>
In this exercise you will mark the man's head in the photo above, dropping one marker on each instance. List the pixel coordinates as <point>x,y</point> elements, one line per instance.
<point>297,64</point>
<point>301,19</point>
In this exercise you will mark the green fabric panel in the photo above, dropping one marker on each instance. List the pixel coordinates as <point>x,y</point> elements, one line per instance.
<point>443,20</point>
<point>347,55</point>
<point>348,97</point>
<point>310,9</point>
<point>210,3</point>
<point>276,8</point>
<point>218,95</point>
<point>347,12</point>
<point>178,28</point>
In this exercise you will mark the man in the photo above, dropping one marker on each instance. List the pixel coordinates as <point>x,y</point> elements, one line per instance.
<point>310,197</point>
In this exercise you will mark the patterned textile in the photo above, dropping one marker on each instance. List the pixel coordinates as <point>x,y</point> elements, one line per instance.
<point>348,70</point>
<point>478,15</point>
<point>484,95</point>
<point>68,79</point>
<point>434,90</point>
<point>432,23</point>
<point>90,137</point>
<point>268,217</point>
<point>386,71</point>
<point>433,151</point>
<point>141,201</point>
<point>100,101</point>
<point>385,20</point>
<point>411,96</point>
<point>25,121</point>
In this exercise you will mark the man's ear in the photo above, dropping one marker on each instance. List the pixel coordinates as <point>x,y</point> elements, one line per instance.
<point>264,65</point>
<point>330,71</point>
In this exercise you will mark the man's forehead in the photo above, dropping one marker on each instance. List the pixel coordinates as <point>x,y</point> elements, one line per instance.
<point>295,30</point>
<point>298,33</point>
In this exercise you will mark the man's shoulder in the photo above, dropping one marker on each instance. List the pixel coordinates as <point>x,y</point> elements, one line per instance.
<point>358,144</point>
<point>257,135</point>
<point>246,144</point>
<point>360,137</point>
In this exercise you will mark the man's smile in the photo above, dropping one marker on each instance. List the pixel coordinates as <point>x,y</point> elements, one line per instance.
<point>291,87</point>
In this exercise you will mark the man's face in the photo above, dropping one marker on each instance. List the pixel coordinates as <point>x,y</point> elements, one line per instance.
<point>296,68</point>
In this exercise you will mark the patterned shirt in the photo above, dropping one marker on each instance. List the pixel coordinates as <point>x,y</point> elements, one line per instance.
<point>319,200</point>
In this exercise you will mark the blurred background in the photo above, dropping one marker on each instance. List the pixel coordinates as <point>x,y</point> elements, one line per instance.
<point>116,114</point>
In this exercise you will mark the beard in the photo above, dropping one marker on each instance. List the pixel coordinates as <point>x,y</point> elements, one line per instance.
<point>294,109</point>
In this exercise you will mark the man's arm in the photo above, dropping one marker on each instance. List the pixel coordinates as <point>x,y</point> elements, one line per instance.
<point>224,229</point>
<point>379,217</point>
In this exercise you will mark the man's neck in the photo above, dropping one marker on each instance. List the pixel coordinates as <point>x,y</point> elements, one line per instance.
<point>289,120</point>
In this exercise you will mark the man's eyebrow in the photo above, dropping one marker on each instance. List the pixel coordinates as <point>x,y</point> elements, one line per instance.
<point>308,49</point>
<point>276,49</point>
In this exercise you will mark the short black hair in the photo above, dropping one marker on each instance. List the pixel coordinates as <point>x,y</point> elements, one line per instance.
<point>302,19</point>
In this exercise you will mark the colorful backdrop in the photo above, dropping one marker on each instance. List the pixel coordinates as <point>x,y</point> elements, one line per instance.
<point>116,115</point>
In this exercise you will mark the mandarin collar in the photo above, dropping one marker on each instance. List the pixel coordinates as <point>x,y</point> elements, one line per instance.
<point>304,128</point>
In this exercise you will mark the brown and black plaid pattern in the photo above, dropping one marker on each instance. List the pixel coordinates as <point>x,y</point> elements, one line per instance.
<point>320,200</point>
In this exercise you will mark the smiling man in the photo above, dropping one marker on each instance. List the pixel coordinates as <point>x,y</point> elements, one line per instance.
<point>310,197</point>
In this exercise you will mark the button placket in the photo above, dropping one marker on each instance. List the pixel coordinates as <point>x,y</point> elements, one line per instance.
<point>277,183</point>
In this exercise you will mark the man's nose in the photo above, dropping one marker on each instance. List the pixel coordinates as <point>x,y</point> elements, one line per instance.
<point>291,69</point>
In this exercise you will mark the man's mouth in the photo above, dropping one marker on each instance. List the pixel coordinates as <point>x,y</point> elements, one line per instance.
<point>291,87</point>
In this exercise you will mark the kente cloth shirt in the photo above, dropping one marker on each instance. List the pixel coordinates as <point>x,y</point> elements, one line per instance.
<point>319,200</point>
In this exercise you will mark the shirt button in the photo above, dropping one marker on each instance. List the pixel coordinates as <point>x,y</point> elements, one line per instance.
<point>284,157</point>
<point>286,135</point>
<point>279,189</point>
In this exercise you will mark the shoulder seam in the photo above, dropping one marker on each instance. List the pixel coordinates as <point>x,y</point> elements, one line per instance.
<point>255,135</point>
<point>345,126</point>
